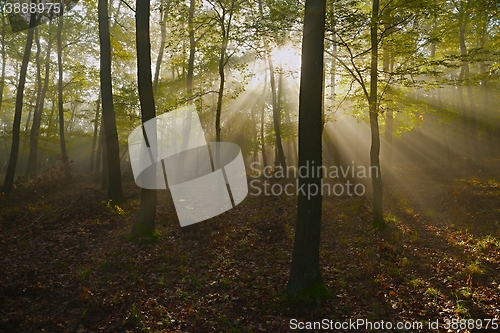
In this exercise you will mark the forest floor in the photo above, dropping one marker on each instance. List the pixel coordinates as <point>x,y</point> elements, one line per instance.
<point>68,264</point>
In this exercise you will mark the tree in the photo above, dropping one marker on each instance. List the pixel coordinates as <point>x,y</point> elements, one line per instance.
<point>60,102</point>
<point>356,47</point>
<point>31,169</point>
<point>192,49</point>
<point>305,277</point>
<point>225,19</point>
<point>4,57</point>
<point>262,118</point>
<point>14,150</point>
<point>164,9</point>
<point>96,131</point>
<point>108,113</point>
<point>145,222</point>
<point>470,130</point>
<point>378,217</point>
<point>280,155</point>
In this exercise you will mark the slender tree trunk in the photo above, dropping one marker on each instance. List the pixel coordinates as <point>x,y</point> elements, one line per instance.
<point>378,218</point>
<point>14,150</point>
<point>463,78</point>
<point>192,48</point>
<point>64,153</point>
<point>115,192</point>
<point>262,122</point>
<point>445,150</point>
<point>333,73</point>
<point>222,61</point>
<point>389,116</point>
<point>104,159</point>
<point>294,141</point>
<point>145,223</point>
<point>161,51</point>
<point>305,277</point>
<point>280,155</point>
<point>4,58</point>
<point>69,124</point>
<point>489,128</point>
<point>37,116</point>
<point>255,135</point>
<point>51,117</point>
<point>226,30</point>
<point>100,154</point>
<point>96,128</point>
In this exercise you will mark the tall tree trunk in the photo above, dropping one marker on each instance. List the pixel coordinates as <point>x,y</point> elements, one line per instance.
<point>37,117</point>
<point>262,122</point>
<point>60,103</point>
<point>378,218</point>
<point>96,127</point>
<point>264,94</point>
<point>389,116</point>
<point>14,150</point>
<point>100,154</point>
<point>220,96</point>
<point>226,30</point>
<point>333,73</point>
<point>255,147</point>
<point>108,113</point>
<point>444,144</point>
<point>221,89</point>
<point>293,149</point>
<point>51,117</point>
<point>161,51</point>
<point>4,58</point>
<point>145,223</point>
<point>305,277</point>
<point>104,158</point>
<point>280,155</point>
<point>192,49</point>
<point>469,133</point>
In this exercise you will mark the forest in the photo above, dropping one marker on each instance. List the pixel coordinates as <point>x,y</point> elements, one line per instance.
<point>250,166</point>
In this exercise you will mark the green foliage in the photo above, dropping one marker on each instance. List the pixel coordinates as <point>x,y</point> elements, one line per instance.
<point>115,208</point>
<point>134,314</point>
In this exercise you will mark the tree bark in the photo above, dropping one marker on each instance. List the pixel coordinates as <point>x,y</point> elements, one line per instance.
<point>161,51</point>
<point>60,103</point>
<point>305,277</point>
<point>333,73</point>
<point>468,122</point>
<point>192,49</point>
<point>4,59</point>
<point>37,116</point>
<point>96,131</point>
<point>262,122</point>
<point>378,218</point>
<point>115,192</point>
<point>222,64</point>
<point>389,115</point>
<point>280,155</point>
<point>14,150</point>
<point>145,223</point>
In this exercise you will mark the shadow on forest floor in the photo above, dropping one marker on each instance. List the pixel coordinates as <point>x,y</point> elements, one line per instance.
<point>68,265</point>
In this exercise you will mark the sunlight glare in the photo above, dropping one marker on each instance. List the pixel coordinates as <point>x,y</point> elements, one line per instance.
<point>288,57</point>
